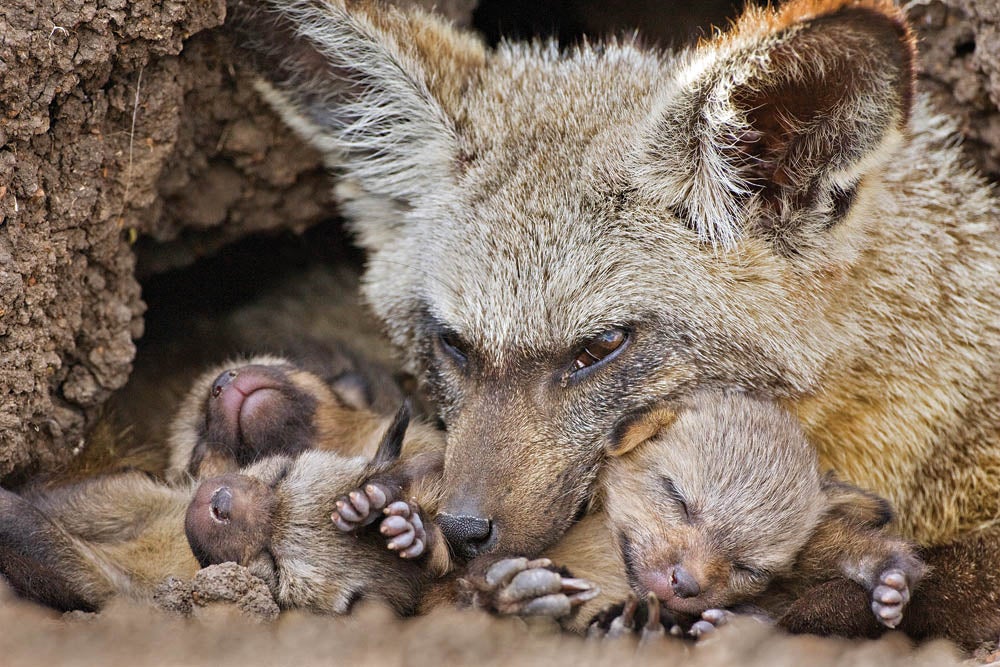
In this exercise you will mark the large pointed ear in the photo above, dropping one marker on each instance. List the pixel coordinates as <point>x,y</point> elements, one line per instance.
<point>374,88</point>
<point>770,127</point>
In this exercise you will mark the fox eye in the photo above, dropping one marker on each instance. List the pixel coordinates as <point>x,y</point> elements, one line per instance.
<point>454,347</point>
<point>600,348</point>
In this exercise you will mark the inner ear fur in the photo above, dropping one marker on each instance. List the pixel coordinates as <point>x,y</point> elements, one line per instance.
<point>374,88</point>
<point>786,112</point>
<point>854,504</point>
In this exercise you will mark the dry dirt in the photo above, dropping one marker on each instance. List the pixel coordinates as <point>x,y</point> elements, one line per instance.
<point>120,122</point>
<point>225,633</point>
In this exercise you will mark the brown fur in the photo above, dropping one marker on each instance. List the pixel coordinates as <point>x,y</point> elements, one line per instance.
<point>123,534</point>
<point>730,491</point>
<point>773,210</point>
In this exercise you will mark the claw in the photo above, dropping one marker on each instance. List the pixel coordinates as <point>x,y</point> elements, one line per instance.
<point>595,631</point>
<point>653,629</point>
<point>572,585</point>
<point>625,623</point>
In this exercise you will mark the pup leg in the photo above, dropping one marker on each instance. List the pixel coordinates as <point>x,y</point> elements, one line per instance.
<point>836,607</point>
<point>958,599</point>
<point>42,563</point>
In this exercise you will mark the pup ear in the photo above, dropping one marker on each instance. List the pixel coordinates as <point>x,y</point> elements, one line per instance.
<point>391,445</point>
<point>373,88</point>
<point>638,427</point>
<point>770,127</point>
<point>856,505</point>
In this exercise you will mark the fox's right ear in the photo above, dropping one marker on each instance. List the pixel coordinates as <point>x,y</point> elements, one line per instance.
<point>375,89</point>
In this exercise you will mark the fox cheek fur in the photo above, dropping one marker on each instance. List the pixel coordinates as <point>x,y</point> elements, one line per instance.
<point>773,210</point>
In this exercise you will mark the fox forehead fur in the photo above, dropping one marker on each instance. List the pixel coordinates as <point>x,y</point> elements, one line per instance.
<point>773,210</point>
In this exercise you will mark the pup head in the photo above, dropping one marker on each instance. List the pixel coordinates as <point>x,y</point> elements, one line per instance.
<point>717,504</point>
<point>274,518</point>
<point>242,411</point>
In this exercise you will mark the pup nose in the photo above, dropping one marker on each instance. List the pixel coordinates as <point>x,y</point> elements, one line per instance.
<point>224,380</point>
<point>684,585</point>
<point>468,535</point>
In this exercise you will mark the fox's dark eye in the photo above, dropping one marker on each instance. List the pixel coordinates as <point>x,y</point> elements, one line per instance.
<point>454,347</point>
<point>600,348</point>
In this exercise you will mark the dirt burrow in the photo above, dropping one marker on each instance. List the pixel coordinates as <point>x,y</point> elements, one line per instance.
<point>127,129</point>
<point>120,121</point>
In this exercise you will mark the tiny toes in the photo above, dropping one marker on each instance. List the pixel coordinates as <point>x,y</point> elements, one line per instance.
<point>347,511</point>
<point>360,502</point>
<point>395,525</point>
<point>399,508</point>
<point>894,578</point>
<point>376,495</point>
<point>887,595</point>
<point>716,617</point>
<point>416,550</point>
<point>701,629</point>
<point>339,522</point>
<point>402,541</point>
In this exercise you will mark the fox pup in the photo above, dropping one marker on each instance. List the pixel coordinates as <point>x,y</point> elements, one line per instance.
<point>236,412</point>
<point>725,509</point>
<point>558,240</point>
<point>75,546</point>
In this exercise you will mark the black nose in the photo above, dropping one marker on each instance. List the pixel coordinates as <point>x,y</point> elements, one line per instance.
<point>468,536</point>
<point>221,505</point>
<point>684,585</point>
<point>224,380</point>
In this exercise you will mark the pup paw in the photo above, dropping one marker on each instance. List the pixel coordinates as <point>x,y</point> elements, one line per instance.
<point>890,596</point>
<point>361,507</point>
<point>646,618</point>
<point>522,587</point>
<point>404,529</point>
<point>710,621</point>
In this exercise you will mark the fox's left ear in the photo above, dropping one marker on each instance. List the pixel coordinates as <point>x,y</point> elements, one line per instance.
<point>770,127</point>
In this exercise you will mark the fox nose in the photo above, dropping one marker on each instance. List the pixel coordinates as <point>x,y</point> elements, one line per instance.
<point>468,535</point>
<point>684,585</point>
